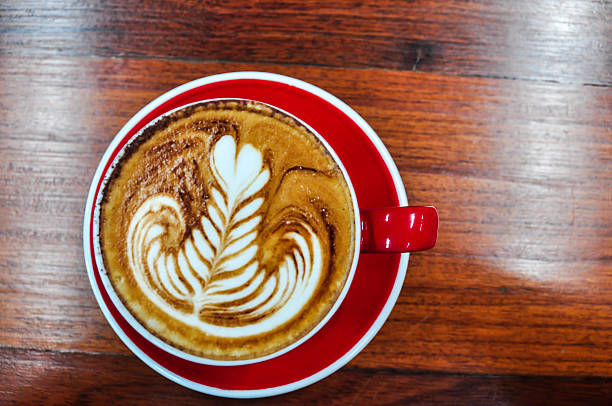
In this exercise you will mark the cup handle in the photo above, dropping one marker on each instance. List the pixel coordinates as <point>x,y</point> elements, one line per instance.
<point>398,229</point>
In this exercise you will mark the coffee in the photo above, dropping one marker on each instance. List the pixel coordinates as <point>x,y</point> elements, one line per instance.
<point>227,229</point>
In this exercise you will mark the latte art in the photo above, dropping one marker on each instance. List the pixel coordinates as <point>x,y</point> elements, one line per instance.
<point>227,230</point>
<point>214,275</point>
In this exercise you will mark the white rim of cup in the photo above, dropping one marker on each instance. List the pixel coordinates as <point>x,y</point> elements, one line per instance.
<point>137,325</point>
<point>363,341</point>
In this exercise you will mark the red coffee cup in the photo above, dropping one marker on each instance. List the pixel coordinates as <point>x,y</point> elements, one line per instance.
<point>385,225</point>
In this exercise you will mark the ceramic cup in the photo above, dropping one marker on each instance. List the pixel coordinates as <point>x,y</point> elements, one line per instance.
<point>382,230</point>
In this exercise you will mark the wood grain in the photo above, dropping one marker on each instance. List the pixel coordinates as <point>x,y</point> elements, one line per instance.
<point>78,379</point>
<point>520,281</point>
<point>566,41</point>
<point>498,114</point>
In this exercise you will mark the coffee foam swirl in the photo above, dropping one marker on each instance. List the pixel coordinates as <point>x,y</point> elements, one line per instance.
<point>212,280</point>
<point>227,230</point>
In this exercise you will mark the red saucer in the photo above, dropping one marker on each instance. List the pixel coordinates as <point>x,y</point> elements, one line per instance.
<point>378,277</point>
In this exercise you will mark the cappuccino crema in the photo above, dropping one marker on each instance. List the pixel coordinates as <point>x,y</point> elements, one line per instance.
<point>227,229</point>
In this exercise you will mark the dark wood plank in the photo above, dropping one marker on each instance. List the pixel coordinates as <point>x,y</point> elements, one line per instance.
<point>543,40</point>
<point>521,172</point>
<point>520,283</point>
<point>38,377</point>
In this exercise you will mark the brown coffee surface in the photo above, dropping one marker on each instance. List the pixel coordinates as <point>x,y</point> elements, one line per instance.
<point>227,230</point>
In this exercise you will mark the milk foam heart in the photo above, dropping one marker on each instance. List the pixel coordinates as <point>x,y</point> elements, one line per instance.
<point>223,246</point>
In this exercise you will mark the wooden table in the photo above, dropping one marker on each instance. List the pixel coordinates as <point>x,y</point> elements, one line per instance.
<point>498,114</point>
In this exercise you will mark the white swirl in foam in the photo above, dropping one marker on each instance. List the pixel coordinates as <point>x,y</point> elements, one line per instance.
<point>215,272</point>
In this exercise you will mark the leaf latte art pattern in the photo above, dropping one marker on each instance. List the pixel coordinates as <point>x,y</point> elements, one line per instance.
<point>213,280</point>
